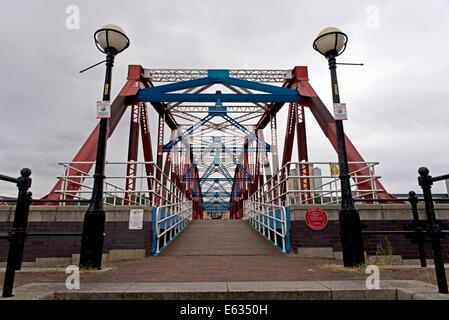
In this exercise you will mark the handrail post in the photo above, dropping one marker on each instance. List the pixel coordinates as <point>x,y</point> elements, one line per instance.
<point>18,232</point>
<point>425,181</point>
<point>413,199</point>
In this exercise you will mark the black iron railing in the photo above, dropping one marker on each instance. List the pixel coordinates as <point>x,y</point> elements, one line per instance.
<point>18,233</point>
<point>421,231</point>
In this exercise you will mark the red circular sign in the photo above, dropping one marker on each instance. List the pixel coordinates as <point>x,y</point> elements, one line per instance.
<point>316,219</point>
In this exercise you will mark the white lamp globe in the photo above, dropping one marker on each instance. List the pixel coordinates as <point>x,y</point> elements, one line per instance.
<point>111,38</point>
<point>330,41</point>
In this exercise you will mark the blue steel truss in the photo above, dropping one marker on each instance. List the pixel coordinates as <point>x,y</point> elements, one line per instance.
<point>217,146</point>
<point>167,93</point>
<point>217,111</point>
<point>164,93</point>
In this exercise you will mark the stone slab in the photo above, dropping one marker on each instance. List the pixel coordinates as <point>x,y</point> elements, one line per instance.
<point>126,254</point>
<point>52,262</point>
<point>318,252</point>
<point>178,291</point>
<point>356,290</point>
<point>256,290</point>
<point>94,291</point>
<point>278,290</point>
<point>35,291</point>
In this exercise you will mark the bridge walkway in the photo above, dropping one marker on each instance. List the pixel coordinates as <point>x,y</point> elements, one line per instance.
<point>219,238</point>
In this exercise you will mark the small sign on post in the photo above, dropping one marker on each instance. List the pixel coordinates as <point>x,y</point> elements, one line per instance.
<point>103,109</point>
<point>136,219</point>
<point>340,111</point>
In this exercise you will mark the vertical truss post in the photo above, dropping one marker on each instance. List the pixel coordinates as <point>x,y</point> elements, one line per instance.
<point>131,167</point>
<point>274,149</point>
<point>261,154</point>
<point>160,156</point>
<point>188,162</point>
<point>302,154</point>
<point>275,157</point>
<point>146,146</point>
<point>274,144</point>
<point>288,147</point>
<point>256,169</point>
<point>266,167</point>
<point>168,166</point>
<point>246,166</point>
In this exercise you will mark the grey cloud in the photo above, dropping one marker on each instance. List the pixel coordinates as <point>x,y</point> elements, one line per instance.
<point>397,102</point>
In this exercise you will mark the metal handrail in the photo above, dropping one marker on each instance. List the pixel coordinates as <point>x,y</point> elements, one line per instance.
<point>278,188</point>
<point>179,216</point>
<point>255,211</point>
<point>159,193</point>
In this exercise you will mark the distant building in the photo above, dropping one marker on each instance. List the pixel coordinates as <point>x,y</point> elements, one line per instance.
<point>294,183</point>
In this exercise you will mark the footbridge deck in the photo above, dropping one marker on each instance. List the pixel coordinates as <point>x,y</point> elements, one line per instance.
<point>219,238</point>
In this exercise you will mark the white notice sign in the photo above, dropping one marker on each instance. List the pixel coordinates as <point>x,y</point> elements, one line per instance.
<point>340,111</point>
<point>103,109</point>
<point>136,219</point>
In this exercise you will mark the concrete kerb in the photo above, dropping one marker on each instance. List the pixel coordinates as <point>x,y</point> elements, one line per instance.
<point>273,290</point>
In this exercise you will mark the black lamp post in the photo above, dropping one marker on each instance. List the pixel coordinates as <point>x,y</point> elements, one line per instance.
<point>331,42</point>
<point>110,40</point>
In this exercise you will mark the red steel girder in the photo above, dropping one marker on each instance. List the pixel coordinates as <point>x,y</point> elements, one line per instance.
<point>87,153</point>
<point>133,148</point>
<point>146,144</point>
<point>327,124</point>
<point>302,153</point>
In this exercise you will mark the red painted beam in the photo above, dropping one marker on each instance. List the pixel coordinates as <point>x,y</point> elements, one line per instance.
<point>133,148</point>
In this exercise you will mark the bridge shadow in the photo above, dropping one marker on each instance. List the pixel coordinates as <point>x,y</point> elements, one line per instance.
<point>219,238</point>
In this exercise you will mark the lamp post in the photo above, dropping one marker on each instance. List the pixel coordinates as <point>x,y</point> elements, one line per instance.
<point>331,42</point>
<point>110,40</point>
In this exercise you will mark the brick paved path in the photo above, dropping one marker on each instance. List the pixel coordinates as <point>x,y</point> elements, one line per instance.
<point>219,238</point>
<point>208,251</point>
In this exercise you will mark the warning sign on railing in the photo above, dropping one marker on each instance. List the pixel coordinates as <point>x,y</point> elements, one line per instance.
<point>334,170</point>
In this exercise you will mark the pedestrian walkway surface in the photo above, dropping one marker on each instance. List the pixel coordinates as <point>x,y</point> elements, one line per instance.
<point>226,259</point>
<point>219,238</point>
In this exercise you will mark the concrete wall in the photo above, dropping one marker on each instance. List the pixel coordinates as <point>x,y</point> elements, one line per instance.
<point>41,251</point>
<point>326,242</point>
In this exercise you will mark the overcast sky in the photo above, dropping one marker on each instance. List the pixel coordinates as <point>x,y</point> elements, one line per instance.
<point>397,102</point>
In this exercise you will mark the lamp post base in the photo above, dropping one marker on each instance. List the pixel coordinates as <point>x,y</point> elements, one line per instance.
<point>351,238</point>
<point>92,240</point>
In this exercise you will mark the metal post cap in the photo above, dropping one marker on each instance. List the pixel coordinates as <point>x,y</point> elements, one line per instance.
<point>423,171</point>
<point>25,172</point>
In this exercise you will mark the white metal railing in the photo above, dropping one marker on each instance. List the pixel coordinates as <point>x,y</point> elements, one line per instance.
<point>168,221</point>
<point>271,221</point>
<point>115,193</point>
<point>316,183</point>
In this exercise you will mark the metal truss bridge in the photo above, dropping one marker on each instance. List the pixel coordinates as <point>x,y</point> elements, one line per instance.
<point>217,156</point>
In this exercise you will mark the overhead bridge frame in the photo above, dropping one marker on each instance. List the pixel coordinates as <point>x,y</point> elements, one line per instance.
<point>256,96</point>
